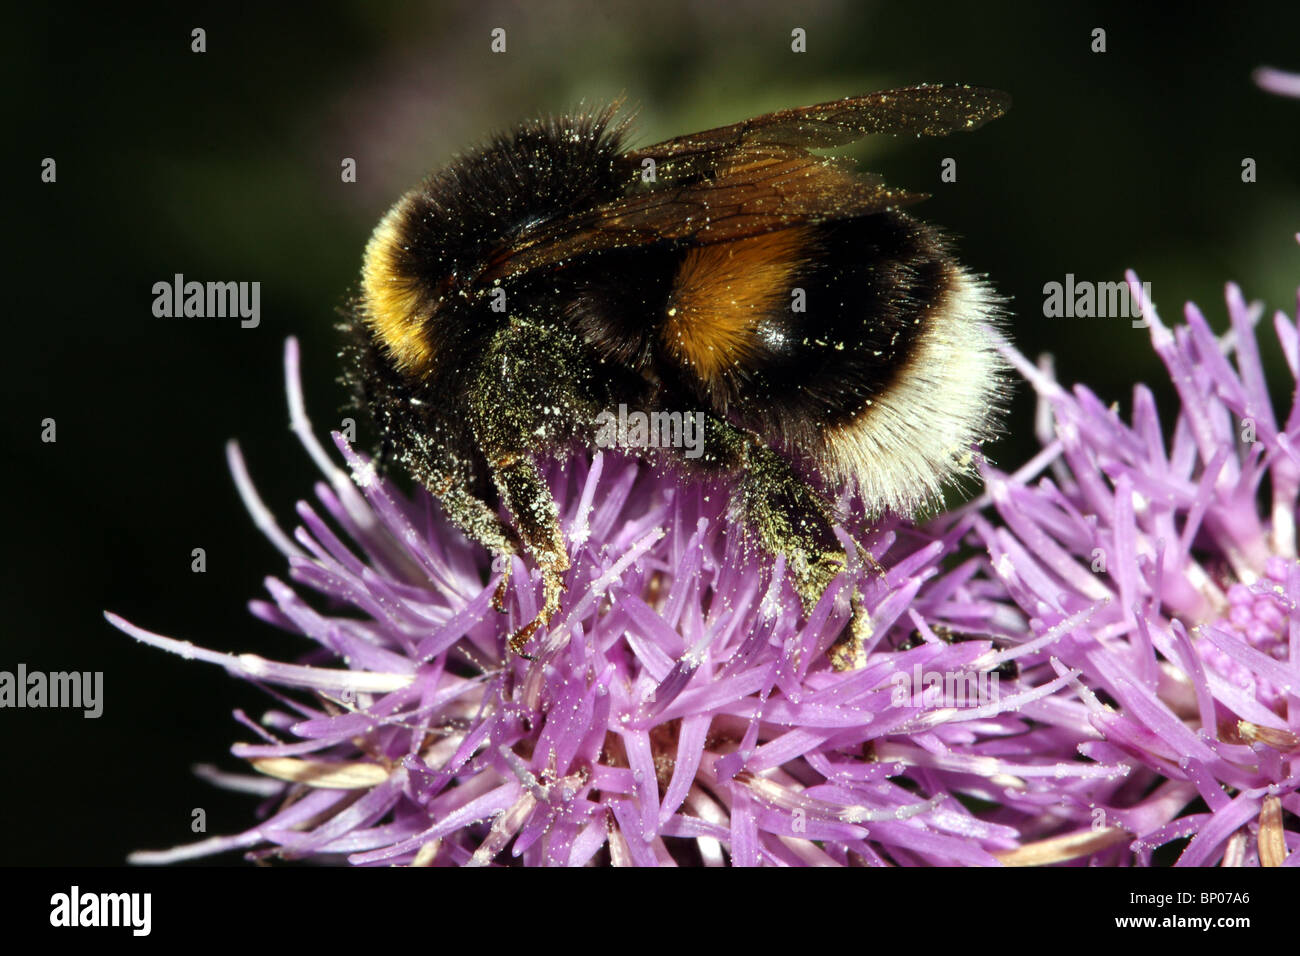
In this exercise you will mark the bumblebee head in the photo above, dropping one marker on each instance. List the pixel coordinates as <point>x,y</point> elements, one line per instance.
<point>428,255</point>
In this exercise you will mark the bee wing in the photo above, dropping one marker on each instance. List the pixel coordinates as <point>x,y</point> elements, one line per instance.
<point>754,177</point>
<point>746,191</point>
<point>933,110</point>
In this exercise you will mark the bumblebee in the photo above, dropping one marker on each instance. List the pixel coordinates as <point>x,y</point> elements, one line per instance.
<point>825,337</point>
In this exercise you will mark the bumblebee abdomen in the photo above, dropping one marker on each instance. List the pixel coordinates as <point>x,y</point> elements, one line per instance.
<point>802,325</point>
<point>854,312</point>
<point>723,318</point>
<point>852,342</point>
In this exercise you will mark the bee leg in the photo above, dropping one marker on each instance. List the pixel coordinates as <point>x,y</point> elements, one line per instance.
<point>479,521</point>
<point>788,517</point>
<point>849,651</point>
<point>432,447</point>
<point>529,502</point>
<point>525,494</point>
<point>527,396</point>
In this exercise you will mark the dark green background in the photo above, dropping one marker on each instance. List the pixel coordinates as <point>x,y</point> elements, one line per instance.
<point>225,166</point>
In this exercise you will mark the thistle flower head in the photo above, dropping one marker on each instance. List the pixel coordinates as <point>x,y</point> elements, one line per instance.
<point>681,709</point>
<point>1168,560</point>
<point>1142,582</point>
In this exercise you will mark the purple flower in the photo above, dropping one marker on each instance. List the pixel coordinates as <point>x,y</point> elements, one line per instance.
<point>680,709</point>
<point>1141,583</point>
<point>1277,81</point>
<point>1167,560</point>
